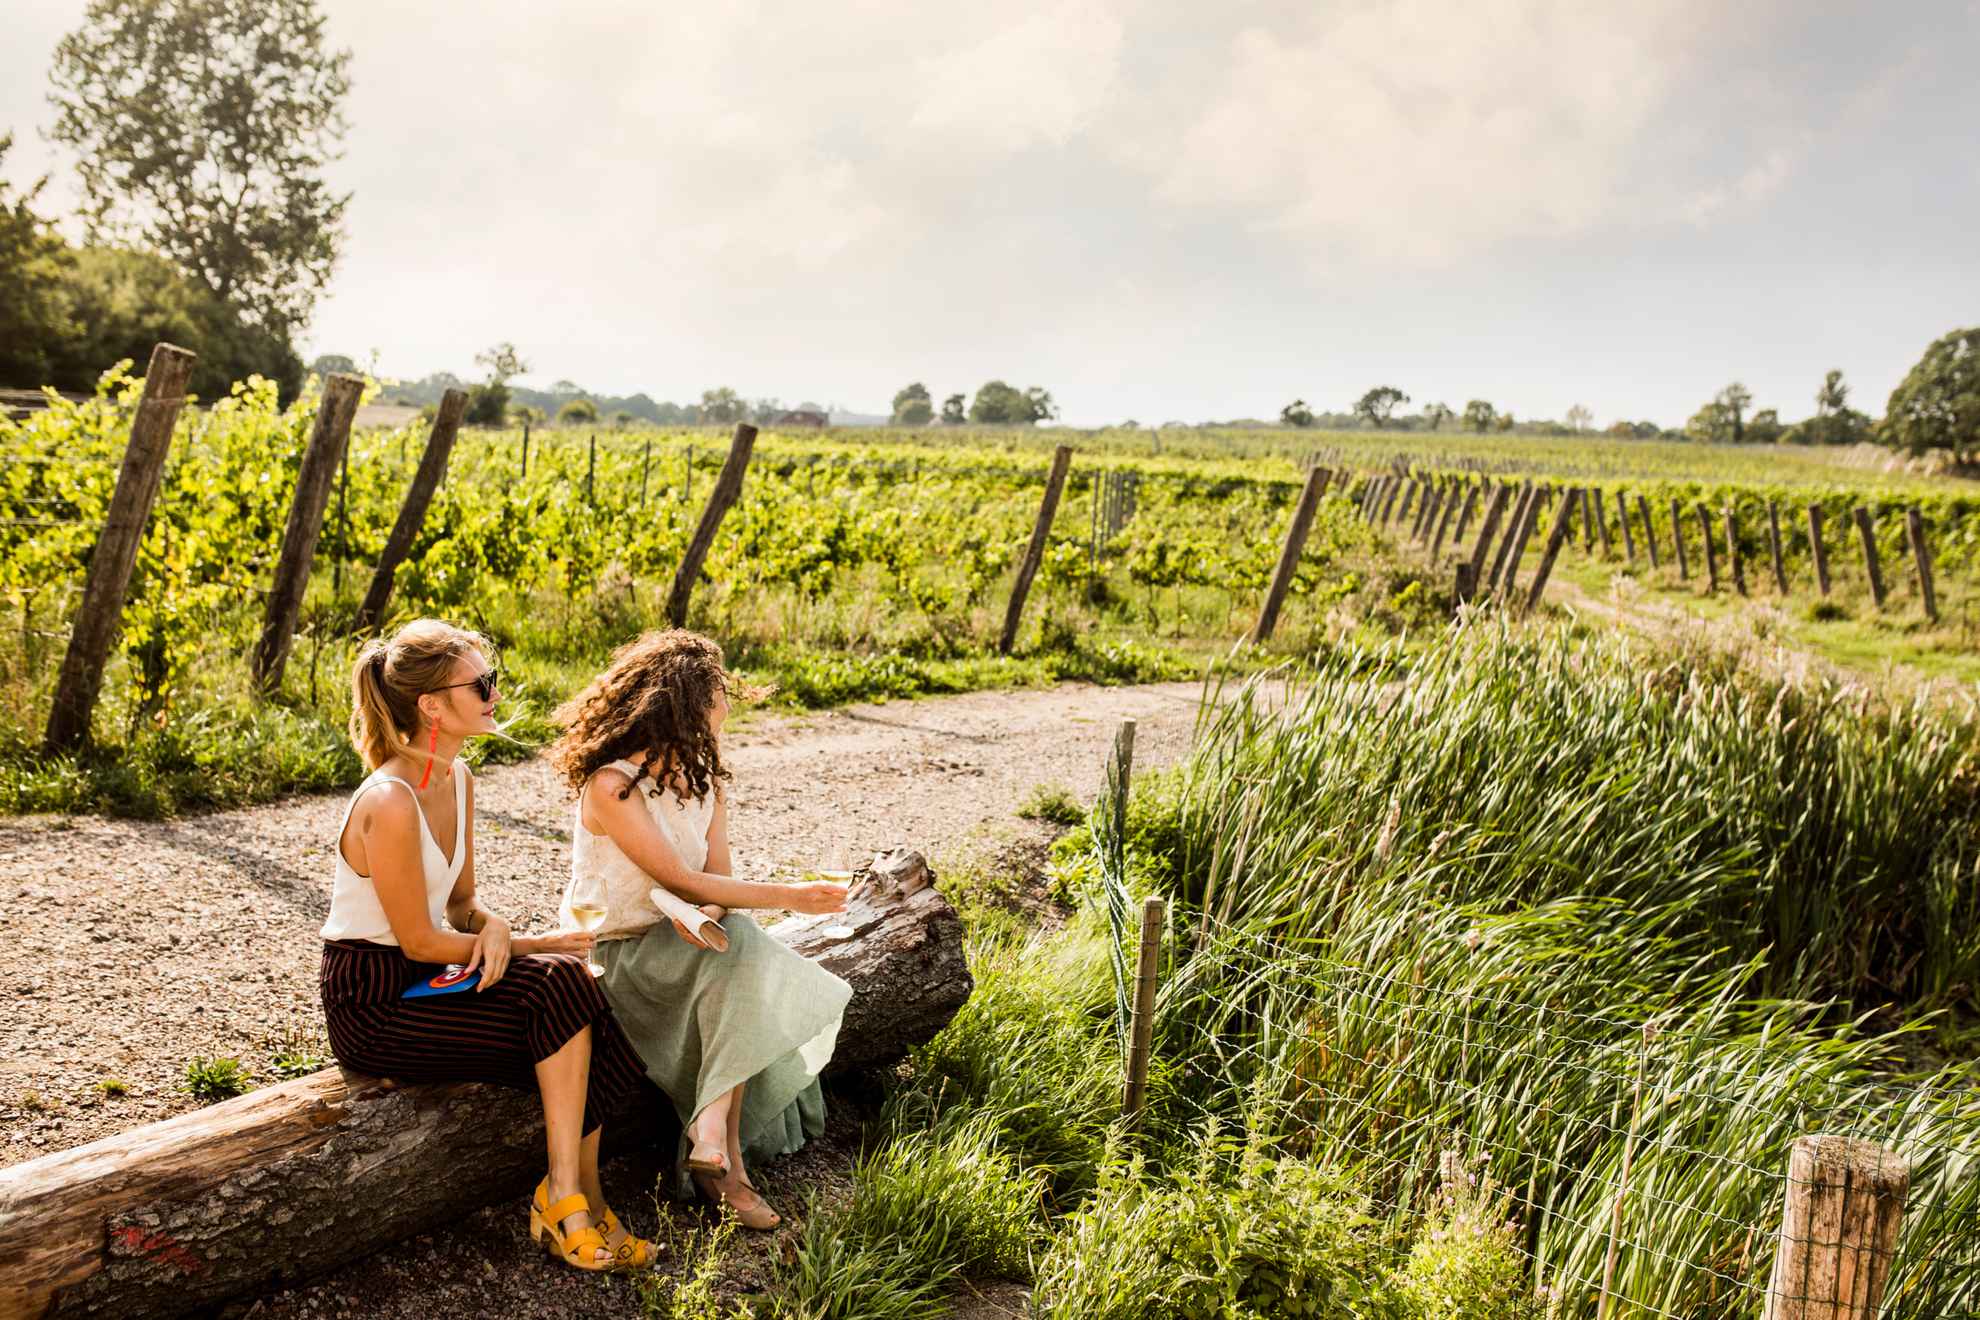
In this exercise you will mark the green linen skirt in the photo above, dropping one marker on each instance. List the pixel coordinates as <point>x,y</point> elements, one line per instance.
<point>704,1022</point>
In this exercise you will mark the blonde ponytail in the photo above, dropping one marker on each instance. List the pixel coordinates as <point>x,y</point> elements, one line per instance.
<point>390,677</point>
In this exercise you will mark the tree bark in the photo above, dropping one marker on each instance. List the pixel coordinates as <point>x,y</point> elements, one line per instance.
<point>295,1180</point>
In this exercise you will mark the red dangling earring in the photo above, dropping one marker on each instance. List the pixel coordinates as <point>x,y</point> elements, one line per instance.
<point>432,747</point>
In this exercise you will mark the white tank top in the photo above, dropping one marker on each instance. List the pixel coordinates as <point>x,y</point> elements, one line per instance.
<point>628,910</point>
<point>355,913</point>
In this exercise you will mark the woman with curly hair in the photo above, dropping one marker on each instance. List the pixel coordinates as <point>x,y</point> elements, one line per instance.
<point>734,1028</point>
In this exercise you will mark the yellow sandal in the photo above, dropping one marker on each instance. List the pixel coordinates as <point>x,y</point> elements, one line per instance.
<point>577,1248</point>
<point>632,1253</point>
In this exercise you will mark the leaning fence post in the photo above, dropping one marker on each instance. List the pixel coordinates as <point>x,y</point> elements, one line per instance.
<point>1282,578</point>
<point>1774,545</point>
<point>591,474</point>
<point>1522,530</point>
<point>1602,525</point>
<point>1495,510</point>
<point>1914,531</point>
<point>319,464</point>
<point>1388,501</point>
<point>1817,549</point>
<point>1409,498</point>
<point>1587,529</point>
<point>1649,532</point>
<point>728,489</point>
<point>1555,539</point>
<point>1677,541</point>
<point>1868,534</point>
<point>1464,519</point>
<point>1622,521</point>
<point>1527,497</point>
<point>1839,1230</point>
<point>412,513</point>
<point>1141,1034</point>
<point>525,460</point>
<point>1444,524</point>
<point>1055,482</point>
<point>115,555</point>
<point>1732,552</point>
<point>1711,551</point>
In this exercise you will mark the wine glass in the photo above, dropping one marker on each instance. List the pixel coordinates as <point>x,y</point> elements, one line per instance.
<point>588,911</point>
<point>835,863</point>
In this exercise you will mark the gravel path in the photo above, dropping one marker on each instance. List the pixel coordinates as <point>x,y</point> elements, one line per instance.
<point>134,946</point>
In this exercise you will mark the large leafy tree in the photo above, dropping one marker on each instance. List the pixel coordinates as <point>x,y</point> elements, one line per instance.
<point>998,404</point>
<point>1479,415</point>
<point>1296,414</point>
<point>1436,414</point>
<point>1733,401</point>
<point>203,129</point>
<point>912,406</point>
<point>1376,406</point>
<point>953,411</point>
<point>1937,405</point>
<point>721,405</point>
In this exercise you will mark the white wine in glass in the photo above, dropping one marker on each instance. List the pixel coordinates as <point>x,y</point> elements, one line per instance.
<point>588,911</point>
<point>835,865</point>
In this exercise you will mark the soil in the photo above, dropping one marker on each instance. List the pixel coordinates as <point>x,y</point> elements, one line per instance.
<point>137,946</point>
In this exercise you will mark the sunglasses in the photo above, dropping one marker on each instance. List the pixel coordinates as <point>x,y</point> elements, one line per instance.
<point>484,684</point>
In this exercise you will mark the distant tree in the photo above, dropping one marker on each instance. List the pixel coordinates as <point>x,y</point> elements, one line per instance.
<point>998,404</point>
<point>33,261</point>
<point>673,414</point>
<point>1297,414</point>
<point>569,387</point>
<point>1764,427</point>
<point>622,419</point>
<point>488,402</point>
<point>577,412</point>
<point>1735,399</point>
<point>502,361</point>
<point>1038,402</point>
<point>1436,414</point>
<point>912,406</point>
<point>1580,417</point>
<point>329,364</point>
<point>1711,424</point>
<point>1130,425</point>
<point>1376,406</point>
<point>721,406</point>
<point>1833,396</point>
<point>1504,421</point>
<point>1480,415</point>
<point>203,129</point>
<point>955,410</point>
<point>1937,405</point>
<point>530,414</point>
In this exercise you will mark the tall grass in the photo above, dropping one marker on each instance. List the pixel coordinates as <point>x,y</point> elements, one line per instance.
<point>1556,904</point>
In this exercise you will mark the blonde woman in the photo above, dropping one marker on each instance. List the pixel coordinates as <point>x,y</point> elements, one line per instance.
<point>404,907</point>
<point>734,1027</point>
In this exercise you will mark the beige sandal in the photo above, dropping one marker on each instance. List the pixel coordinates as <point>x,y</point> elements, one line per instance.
<point>759,1216</point>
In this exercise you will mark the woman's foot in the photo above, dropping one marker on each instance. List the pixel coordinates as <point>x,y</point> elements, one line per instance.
<point>563,1224</point>
<point>740,1199</point>
<point>708,1145</point>
<point>628,1252</point>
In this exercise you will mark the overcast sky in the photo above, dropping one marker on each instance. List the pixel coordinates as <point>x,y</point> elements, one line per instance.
<point>1155,210</point>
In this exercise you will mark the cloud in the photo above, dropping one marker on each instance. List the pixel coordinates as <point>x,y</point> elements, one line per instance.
<point>1039,80</point>
<point>1420,132</point>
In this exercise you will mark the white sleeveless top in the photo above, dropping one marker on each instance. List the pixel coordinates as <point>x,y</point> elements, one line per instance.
<point>628,909</point>
<point>355,913</point>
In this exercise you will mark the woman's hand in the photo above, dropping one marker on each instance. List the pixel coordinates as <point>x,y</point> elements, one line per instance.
<point>579,942</point>
<point>816,896</point>
<point>713,911</point>
<point>492,948</point>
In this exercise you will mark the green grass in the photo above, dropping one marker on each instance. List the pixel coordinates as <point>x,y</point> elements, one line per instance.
<point>1052,803</point>
<point>216,1078</point>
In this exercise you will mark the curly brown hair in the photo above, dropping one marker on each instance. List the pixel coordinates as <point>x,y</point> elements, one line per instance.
<point>651,706</point>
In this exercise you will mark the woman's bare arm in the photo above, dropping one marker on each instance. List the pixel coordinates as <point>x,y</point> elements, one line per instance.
<point>629,824</point>
<point>387,819</point>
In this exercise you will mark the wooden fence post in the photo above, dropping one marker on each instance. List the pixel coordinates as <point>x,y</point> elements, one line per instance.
<point>1055,482</point>
<point>1602,525</point>
<point>1677,541</point>
<point>1426,512</point>
<point>645,462</point>
<point>525,465</point>
<point>1649,532</point>
<point>1914,531</point>
<point>1527,496</point>
<point>1868,533</point>
<point>1622,521</point>
<point>1464,517</point>
<point>1711,551</point>
<point>1555,539</point>
<point>343,521</point>
<point>1587,523</point>
<point>412,513</point>
<point>1409,498</point>
<point>1522,530</point>
<point>101,609</point>
<point>728,489</point>
<point>1389,500</point>
<point>591,474</point>
<point>1495,510</point>
<point>1282,578</point>
<point>319,464</point>
<point>1839,1230</point>
<point>1774,545</point>
<point>1444,524</point>
<point>1732,552</point>
<point>1142,1029</point>
<point>1817,549</point>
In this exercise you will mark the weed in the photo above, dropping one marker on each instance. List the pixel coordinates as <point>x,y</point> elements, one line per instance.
<point>113,1086</point>
<point>1054,803</point>
<point>216,1078</point>
<point>299,1052</point>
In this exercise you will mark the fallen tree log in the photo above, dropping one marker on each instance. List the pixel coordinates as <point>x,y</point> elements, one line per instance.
<point>289,1182</point>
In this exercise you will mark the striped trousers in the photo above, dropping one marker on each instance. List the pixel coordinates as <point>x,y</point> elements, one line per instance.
<point>497,1035</point>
